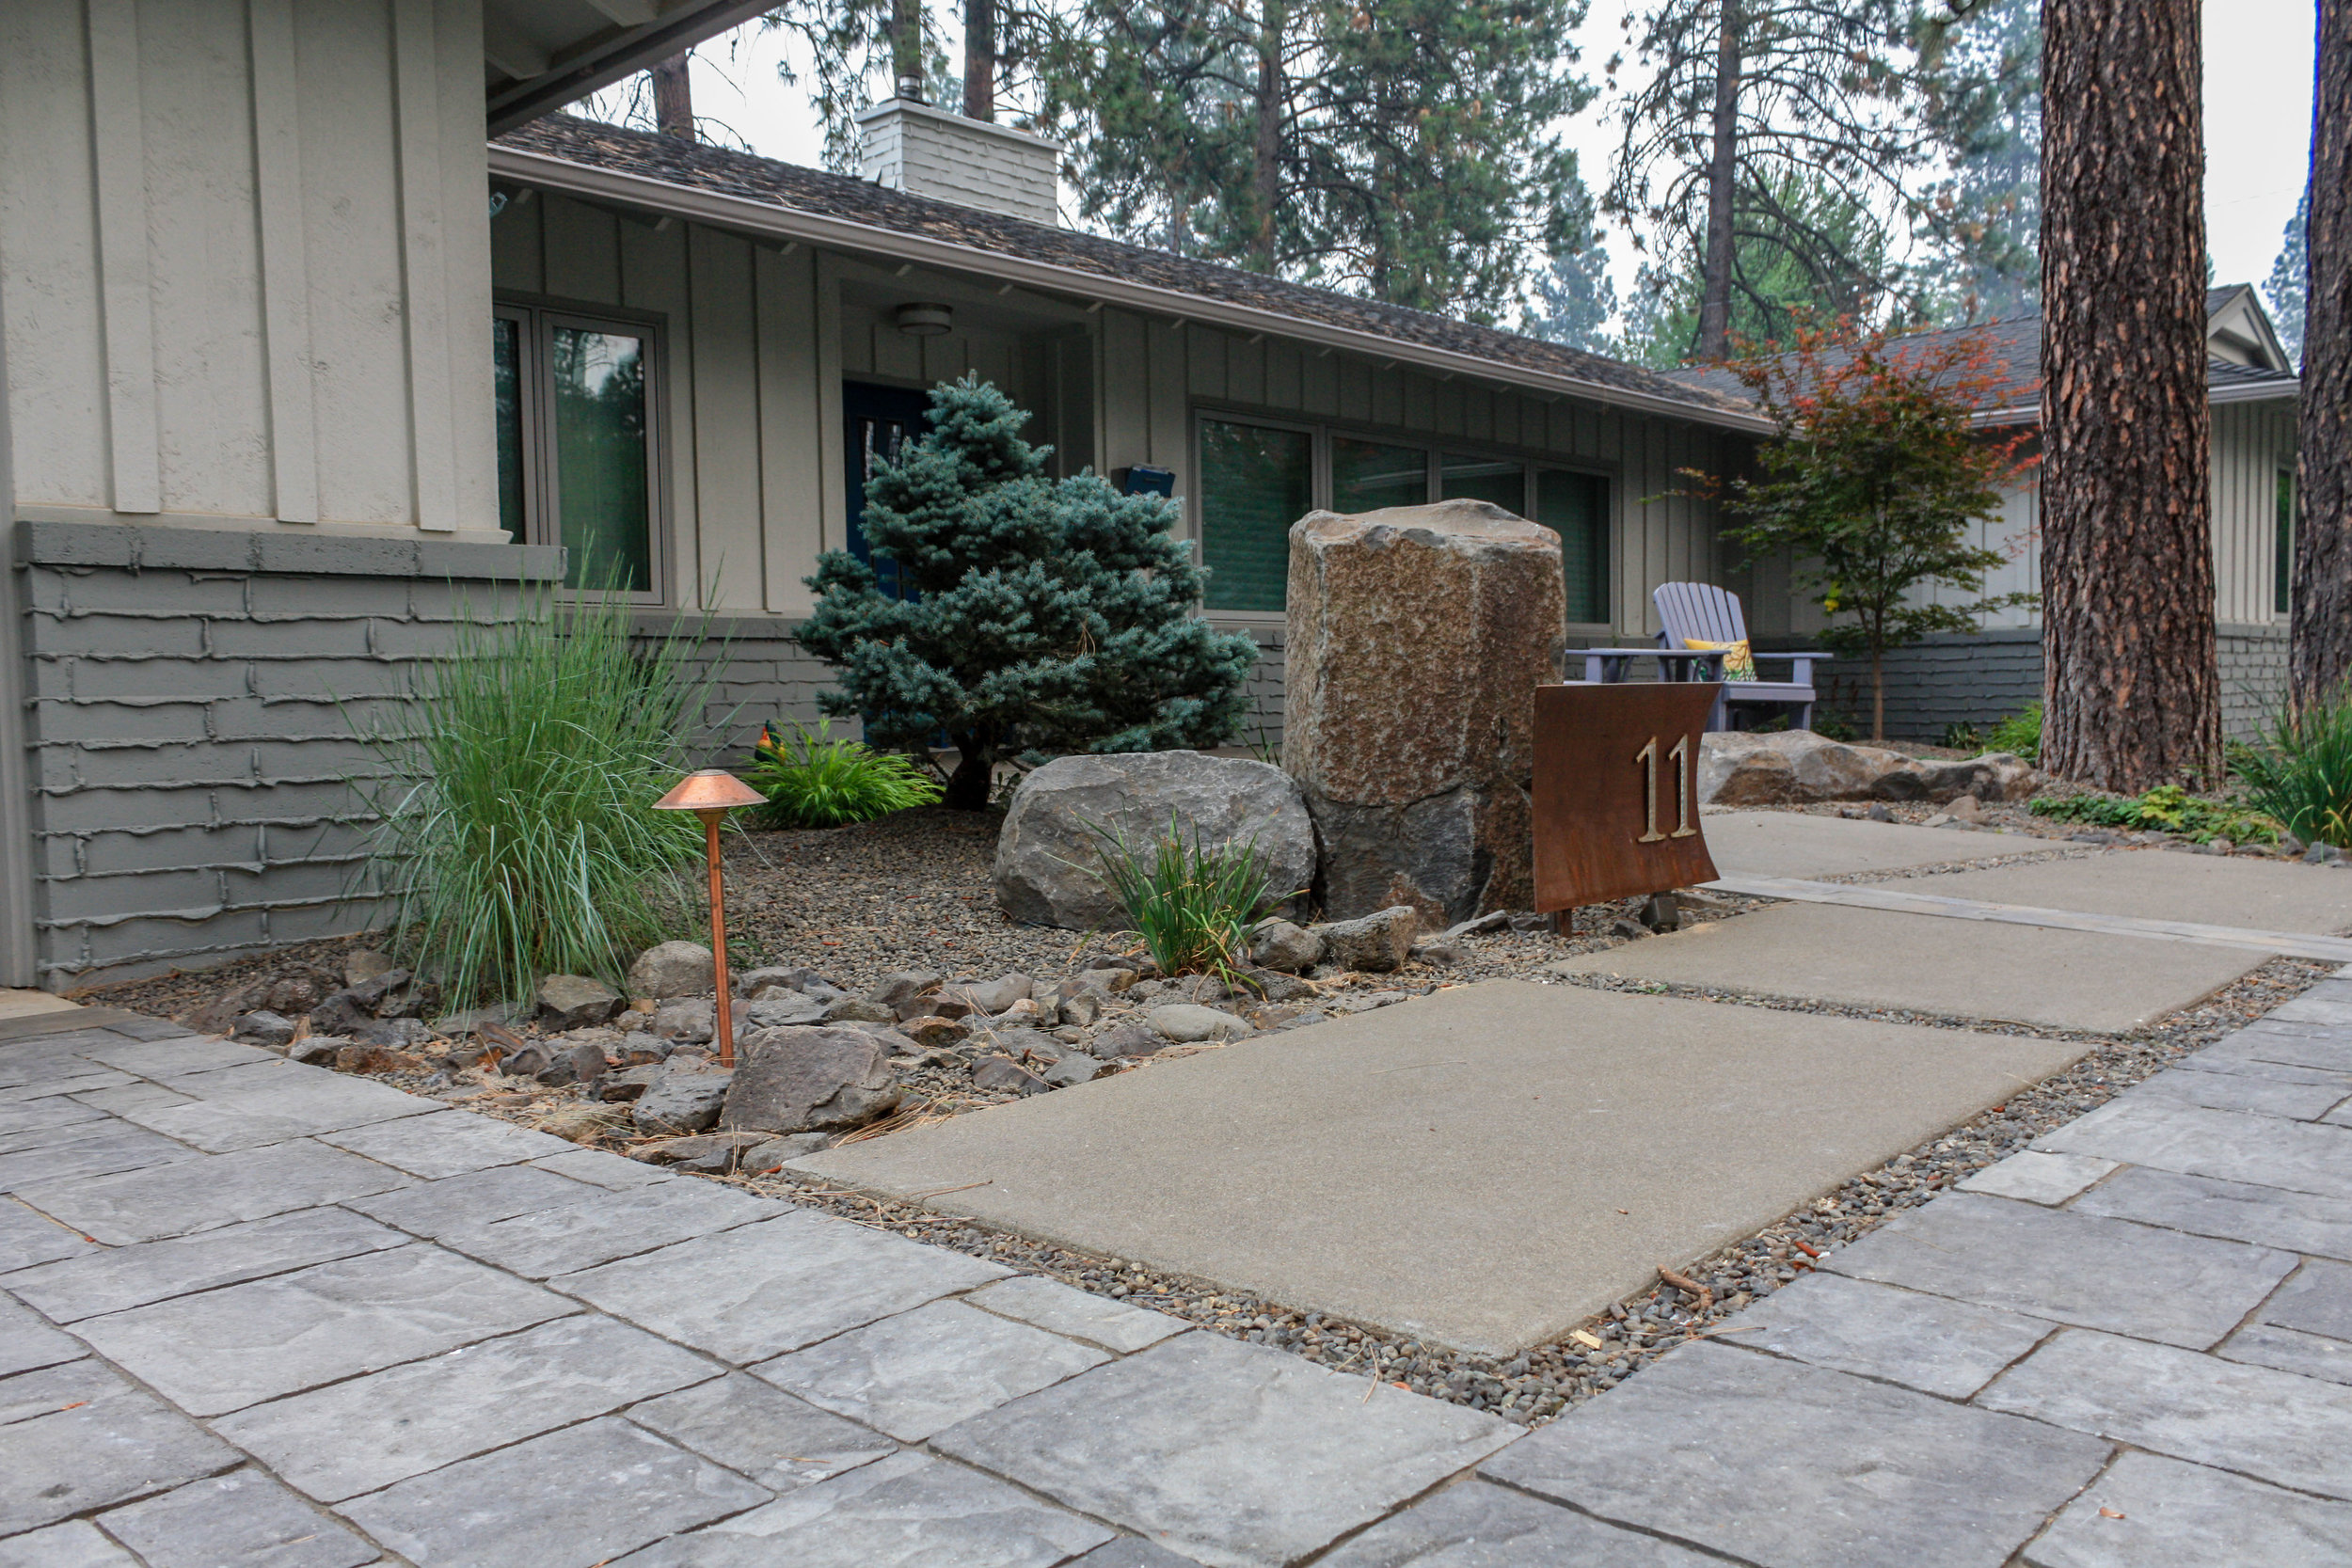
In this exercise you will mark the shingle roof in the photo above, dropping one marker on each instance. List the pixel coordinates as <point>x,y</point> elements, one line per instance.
<point>742,175</point>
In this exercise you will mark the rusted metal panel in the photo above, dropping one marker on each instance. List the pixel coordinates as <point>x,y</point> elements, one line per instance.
<point>1616,790</point>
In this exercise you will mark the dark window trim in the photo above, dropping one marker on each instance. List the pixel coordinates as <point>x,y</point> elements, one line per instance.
<point>538,313</point>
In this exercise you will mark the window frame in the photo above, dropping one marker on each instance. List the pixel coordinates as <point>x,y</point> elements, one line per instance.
<point>1436,448</point>
<point>538,316</point>
<point>2283,489</point>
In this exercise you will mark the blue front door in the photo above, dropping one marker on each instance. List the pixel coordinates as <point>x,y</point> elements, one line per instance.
<point>880,420</point>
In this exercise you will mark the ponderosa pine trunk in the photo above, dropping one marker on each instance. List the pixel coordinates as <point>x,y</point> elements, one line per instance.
<point>2129,675</point>
<point>979,59</point>
<point>1265,153</point>
<point>1723,168</point>
<point>906,49</point>
<point>673,99</point>
<point>2321,620</point>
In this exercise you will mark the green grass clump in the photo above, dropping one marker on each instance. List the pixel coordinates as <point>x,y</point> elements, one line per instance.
<point>1195,906</point>
<point>2167,808</point>
<point>813,781</point>
<point>2020,734</point>
<point>518,837</point>
<point>2302,772</point>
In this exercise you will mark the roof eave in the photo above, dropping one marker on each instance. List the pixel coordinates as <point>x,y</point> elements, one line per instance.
<point>789,223</point>
<point>2265,391</point>
<point>622,53</point>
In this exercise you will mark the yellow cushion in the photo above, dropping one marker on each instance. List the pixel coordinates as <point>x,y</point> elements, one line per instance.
<point>1738,662</point>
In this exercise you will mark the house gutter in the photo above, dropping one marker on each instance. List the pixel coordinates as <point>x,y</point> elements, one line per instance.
<point>789,223</point>
<point>2262,391</point>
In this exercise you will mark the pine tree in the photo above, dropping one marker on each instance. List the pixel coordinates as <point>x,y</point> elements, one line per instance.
<point>1980,77</point>
<point>2321,627</point>
<point>1045,616</point>
<point>2288,285</point>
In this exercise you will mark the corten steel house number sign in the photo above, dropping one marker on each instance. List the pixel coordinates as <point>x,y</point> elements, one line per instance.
<point>1616,790</point>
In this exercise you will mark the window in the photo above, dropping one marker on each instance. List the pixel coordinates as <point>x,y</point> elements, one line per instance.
<point>1369,475</point>
<point>2282,567</point>
<point>1500,480</point>
<point>1256,481</point>
<point>575,398</point>
<point>1576,507</point>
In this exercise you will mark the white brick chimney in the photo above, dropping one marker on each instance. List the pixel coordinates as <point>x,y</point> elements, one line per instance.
<point>928,151</point>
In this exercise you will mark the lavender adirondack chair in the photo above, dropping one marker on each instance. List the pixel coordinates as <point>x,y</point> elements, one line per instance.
<point>1703,613</point>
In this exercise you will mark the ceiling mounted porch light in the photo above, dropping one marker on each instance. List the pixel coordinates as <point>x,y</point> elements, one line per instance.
<point>925,321</point>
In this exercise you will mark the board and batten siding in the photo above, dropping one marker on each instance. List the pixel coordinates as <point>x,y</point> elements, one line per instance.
<point>244,258</point>
<point>1157,376</point>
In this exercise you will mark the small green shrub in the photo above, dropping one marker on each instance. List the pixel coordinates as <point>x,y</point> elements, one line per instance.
<point>1834,726</point>
<point>814,780</point>
<point>1195,906</point>
<point>1962,737</point>
<point>2302,772</point>
<point>517,836</point>
<point>2167,808</point>
<point>2020,734</point>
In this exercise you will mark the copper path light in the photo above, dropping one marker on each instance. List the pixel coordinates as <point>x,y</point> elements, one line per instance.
<point>710,795</point>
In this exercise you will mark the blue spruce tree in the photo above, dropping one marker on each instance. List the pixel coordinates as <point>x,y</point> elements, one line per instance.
<point>1045,616</point>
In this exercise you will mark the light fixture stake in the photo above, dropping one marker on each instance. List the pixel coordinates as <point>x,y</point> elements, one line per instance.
<point>711,794</point>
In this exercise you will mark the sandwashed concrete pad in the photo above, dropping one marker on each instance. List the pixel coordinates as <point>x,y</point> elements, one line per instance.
<point>1482,1169</point>
<point>2154,884</point>
<point>1789,844</point>
<point>1918,963</point>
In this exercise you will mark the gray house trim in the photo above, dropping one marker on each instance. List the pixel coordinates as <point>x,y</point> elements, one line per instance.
<point>18,951</point>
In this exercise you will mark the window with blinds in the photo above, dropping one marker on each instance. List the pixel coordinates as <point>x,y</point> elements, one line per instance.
<point>1576,507</point>
<point>1256,481</point>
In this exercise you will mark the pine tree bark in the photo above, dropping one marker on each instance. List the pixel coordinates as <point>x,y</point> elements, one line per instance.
<point>673,99</point>
<point>979,59</point>
<point>2321,621</point>
<point>1265,174</point>
<point>2129,672</point>
<point>906,49</point>
<point>1723,168</point>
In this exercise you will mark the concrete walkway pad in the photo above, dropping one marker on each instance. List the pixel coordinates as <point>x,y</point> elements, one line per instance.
<point>1481,1169</point>
<point>2154,884</point>
<point>1790,843</point>
<point>1920,963</point>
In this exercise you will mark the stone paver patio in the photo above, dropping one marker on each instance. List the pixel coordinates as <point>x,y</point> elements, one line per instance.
<point>264,1314</point>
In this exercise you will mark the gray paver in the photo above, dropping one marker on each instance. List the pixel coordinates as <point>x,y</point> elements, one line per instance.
<point>2326,1002</point>
<point>1927,1342</point>
<point>26,1341</point>
<point>242,1517</point>
<point>2300,1156</point>
<point>2307,1327</point>
<point>79,1083</point>
<point>1789,1466</point>
<point>761,1289</point>
<point>2318,1300</point>
<point>1481,1169</point>
<point>2237,1057</point>
<point>176,1056</point>
<point>1479,1525</point>
<point>119,1147</point>
<point>906,1512</point>
<point>111,1281</point>
<point>268,1102</point>
<point>130,1097</point>
<point>2239,1091</point>
<point>2273,1425</point>
<point>1960,969</point>
<point>2274,1045</point>
<point>599,1227</point>
<point>446,1143</point>
<point>620,1487</point>
<point>1237,1455</point>
<point>599,1169</point>
<point>218,1190</point>
<point>468,1202</point>
<point>73,1544</point>
<point>2070,1267</point>
<point>1790,843</point>
<point>1079,1314</point>
<point>2162,1514</point>
<point>2290,1351</point>
<point>918,1372</point>
<point>1132,1551</point>
<point>223,1350</point>
<point>78,1437</point>
<point>759,1430</point>
<point>56,1133</point>
<point>38,1114</point>
<point>2299,1222</point>
<point>352,1438</point>
<point>2038,1177</point>
<point>2142,884</point>
<point>27,1238</point>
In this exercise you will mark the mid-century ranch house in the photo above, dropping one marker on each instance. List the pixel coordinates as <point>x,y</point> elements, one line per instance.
<point>319,321</point>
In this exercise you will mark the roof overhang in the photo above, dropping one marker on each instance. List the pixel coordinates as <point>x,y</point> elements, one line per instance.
<point>2260,391</point>
<point>545,53</point>
<point>767,218</point>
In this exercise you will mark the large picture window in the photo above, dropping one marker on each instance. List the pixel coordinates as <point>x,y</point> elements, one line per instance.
<point>1256,481</point>
<point>577,403</point>
<point>1576,507</point>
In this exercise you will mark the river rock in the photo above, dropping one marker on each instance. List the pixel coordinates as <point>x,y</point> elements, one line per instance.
<point>807,1079</point>
<point>1375,945</point>
<point>1129,1040</point>
<point>681,1102</point>
<point>266,1028</point>
<point>1186,1023</point>
<point>1417,636</point>
<point>575,1002</point>
<point>1279,945</point>
<point>1797,766</point>
<point>1049,855</point>
<point>988,997</point>
<point>673,968</point>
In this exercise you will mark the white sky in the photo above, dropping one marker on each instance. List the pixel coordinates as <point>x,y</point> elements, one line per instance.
<point>2258,109</point>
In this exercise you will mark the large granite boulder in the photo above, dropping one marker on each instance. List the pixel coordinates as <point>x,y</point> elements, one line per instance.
<point>1417,636</point>
<point>1049,856</point>
<point>809,1080</point>
<point>1795,767</point>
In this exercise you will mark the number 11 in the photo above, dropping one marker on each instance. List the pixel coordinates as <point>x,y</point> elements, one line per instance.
<point>1647,756</point>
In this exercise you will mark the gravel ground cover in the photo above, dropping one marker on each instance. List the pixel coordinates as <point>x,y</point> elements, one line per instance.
<point>911,891</point>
